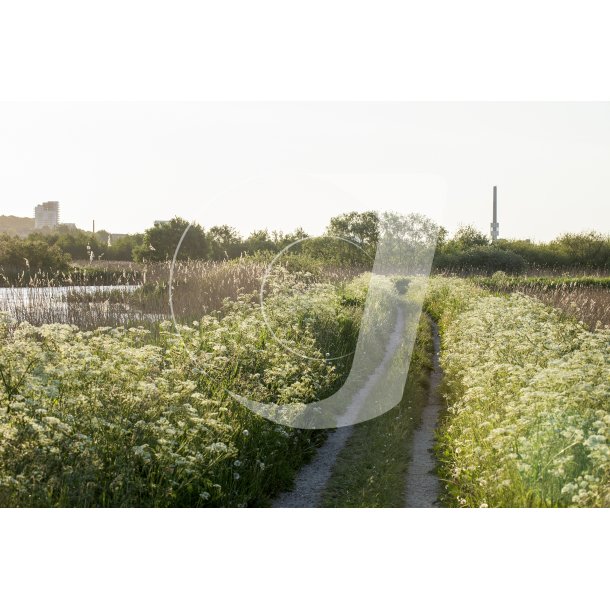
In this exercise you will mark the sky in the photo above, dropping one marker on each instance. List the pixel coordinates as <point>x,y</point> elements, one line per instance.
<point>283,165</point>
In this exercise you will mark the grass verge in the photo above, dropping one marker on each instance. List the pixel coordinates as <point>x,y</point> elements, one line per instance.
<point>370,470</point>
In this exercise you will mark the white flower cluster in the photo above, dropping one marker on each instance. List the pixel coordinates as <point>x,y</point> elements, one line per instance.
<point>119,417</point>
<point>529,401</point>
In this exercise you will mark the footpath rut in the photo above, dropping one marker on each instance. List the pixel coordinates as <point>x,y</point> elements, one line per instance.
<point>422,485</point>
<point>311,480</point>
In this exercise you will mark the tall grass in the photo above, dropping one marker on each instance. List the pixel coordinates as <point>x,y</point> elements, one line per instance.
<point>90,275</point>
<point>586,298</point>
<point>140,294</point>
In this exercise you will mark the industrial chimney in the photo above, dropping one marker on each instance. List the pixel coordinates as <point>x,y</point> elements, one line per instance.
<point>495,225</point>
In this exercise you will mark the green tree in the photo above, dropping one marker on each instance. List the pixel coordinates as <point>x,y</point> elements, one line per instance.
<point>161,241</point>
<point>360,227</point>
<point>536,255</point>
<point>466,238</point>
<point>441,238</point>
<point>225,242</point>
<point>590,249</point>
<point>75,242</point>
<point>30,256</point>
<point>328,249</point>
<point>281,239</point>
<point>260,241</point>
<point>123,248</point>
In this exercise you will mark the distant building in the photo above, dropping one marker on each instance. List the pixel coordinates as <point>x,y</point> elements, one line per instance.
<point>46,215</point>
<point>159,223</point>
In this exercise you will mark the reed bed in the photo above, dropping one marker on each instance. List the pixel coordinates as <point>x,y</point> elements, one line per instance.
<point>140,294</point>
<point>585,298</point>
<point>86,307</point>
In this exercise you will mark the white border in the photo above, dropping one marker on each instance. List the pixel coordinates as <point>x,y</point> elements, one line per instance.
<point>319,50</point>
<point>315,50</point>
<point>304,558</point>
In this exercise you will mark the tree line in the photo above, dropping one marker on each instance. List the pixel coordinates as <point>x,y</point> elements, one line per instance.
<point>468,250</point>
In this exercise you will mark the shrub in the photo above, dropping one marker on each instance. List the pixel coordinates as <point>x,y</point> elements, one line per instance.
<point>19,256</point>
<point>481,259</point>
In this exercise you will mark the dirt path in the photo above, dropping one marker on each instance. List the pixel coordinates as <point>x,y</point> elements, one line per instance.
<point>311,480</point>
<point>422,485</point>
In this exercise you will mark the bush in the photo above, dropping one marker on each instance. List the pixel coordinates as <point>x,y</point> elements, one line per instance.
<point>31,256</point>
<point>161,242</point>
<point>481,259</point>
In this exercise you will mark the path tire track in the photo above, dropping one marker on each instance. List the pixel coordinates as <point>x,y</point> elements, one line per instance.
<point>311,480</point>
<point>422,485</point>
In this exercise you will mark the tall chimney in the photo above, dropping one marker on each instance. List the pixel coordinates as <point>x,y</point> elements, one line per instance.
<point>495,226</point>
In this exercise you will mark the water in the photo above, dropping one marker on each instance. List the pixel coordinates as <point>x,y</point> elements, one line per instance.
<point>46,304</point>
<point>26,295</point>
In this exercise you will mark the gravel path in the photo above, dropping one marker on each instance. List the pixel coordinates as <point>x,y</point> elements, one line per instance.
<point>422,486</point>
<point>311,480</point>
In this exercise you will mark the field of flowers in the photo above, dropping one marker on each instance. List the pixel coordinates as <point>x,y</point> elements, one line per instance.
<point>528,391</point>
<point>119,416</point>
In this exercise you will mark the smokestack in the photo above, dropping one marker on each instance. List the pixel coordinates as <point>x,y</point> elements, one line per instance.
<point>495,226</point>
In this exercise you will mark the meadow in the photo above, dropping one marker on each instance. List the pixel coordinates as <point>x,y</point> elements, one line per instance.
<point>528,394</point>
<point>125,415</point>
<point>104,402</point>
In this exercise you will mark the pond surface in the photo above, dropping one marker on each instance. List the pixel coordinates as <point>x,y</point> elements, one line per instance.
<point>39,293</point>
<point>85,306</point>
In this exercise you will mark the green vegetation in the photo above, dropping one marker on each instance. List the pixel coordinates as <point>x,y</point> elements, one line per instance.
<point>20,257</point>
<point>121,417</point>
<point>115,409</point>
<point>47,257</point>
<point>584,298</point>
<point>370,470</point>
<point>160,242</point>
<point>587,250</point>
<point>502,281</point>
<point>528,391</point>
<point>468,251</point>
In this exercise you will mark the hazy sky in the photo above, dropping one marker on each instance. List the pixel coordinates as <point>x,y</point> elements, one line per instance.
<point>287,165</point>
